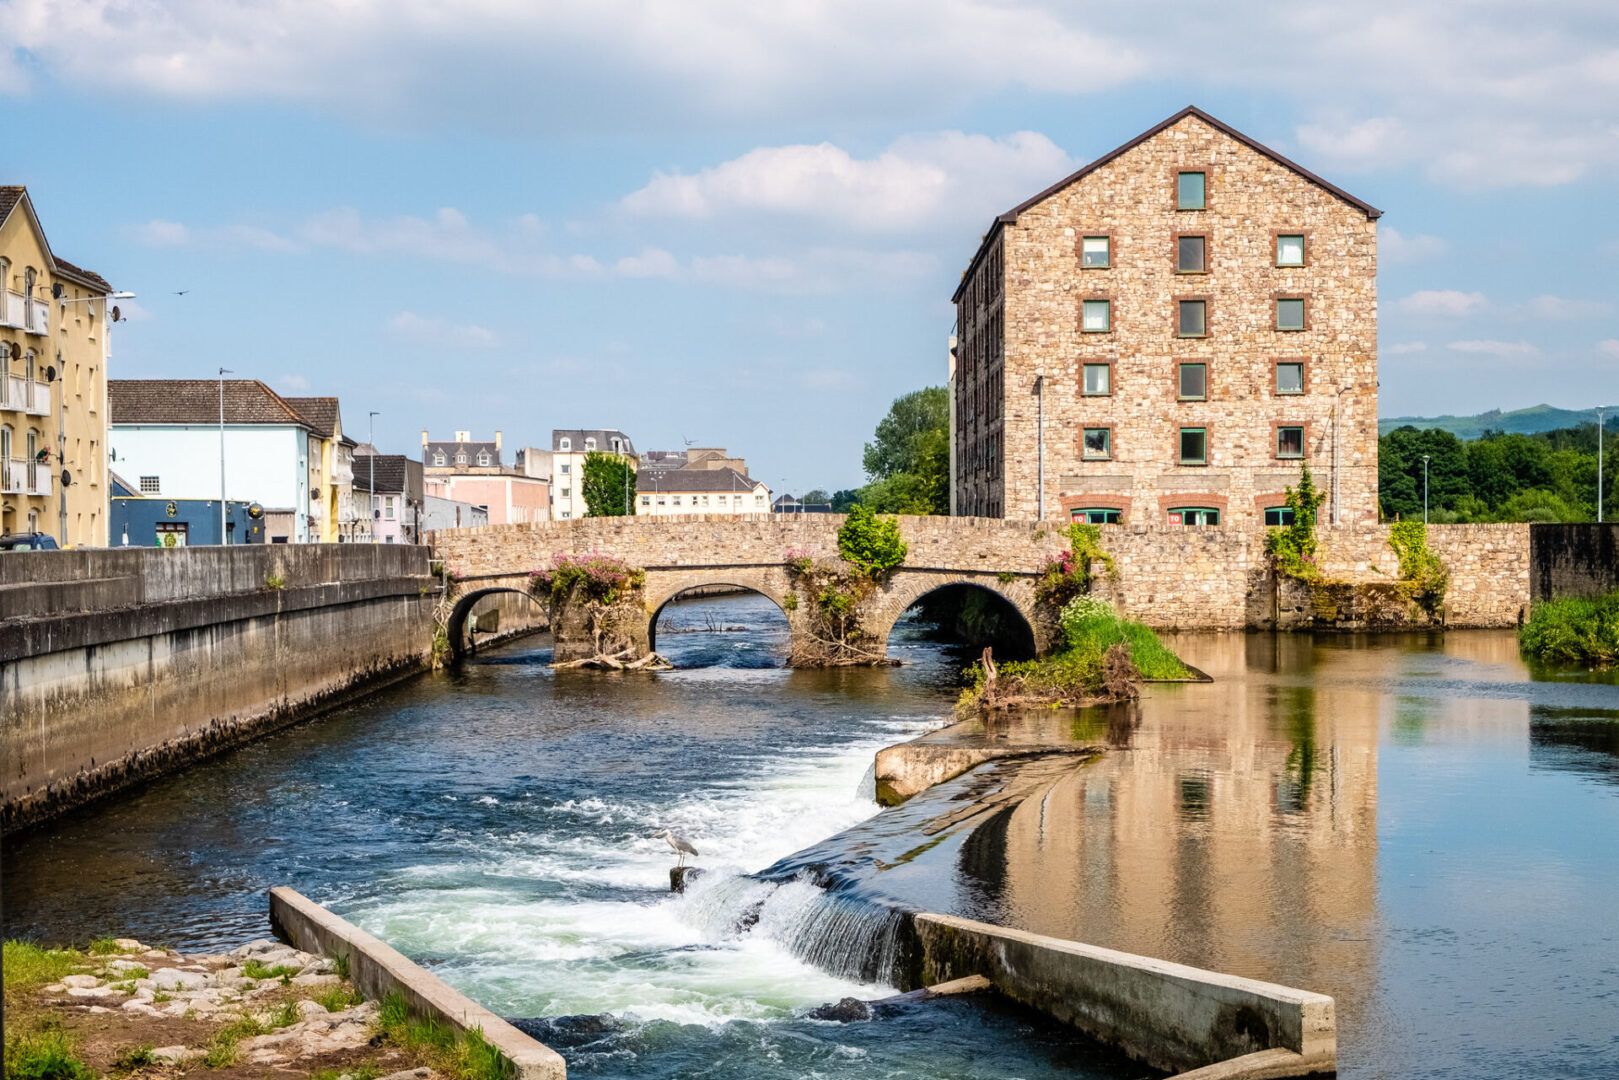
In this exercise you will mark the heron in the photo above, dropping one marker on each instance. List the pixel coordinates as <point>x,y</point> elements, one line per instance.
<point>681,845</point>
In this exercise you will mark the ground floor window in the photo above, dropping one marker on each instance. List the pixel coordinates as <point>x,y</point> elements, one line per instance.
<point>1278,515</point>
<point>1100,515</point>
<point>1194,515</point>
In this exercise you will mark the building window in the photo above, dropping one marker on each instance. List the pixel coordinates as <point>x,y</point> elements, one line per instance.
<point>618,446</point>
<point>566,514</point>
<point>1194,382</point>
<point>1100,515</point>
<point>646,500</point>
<point>1096,316</point>
<point>1191,254</point>
<point>1189,191</point>
<point>1192,319</point>
<point>565,444</point>
<point>1194,446</point>
<point>1278,515</point>
<point>567,493</point>
<point>150,485</point>
<point>461,458</point>
<point>388,507</point>
<point>590,444</point>
<point>1098,379</point>
<point>1290,314</point>
<point>1095,252</point>
<point>758,500</point>
<point>483,458</point>
<point>439,459</point>
<point>1098,443</point>
<point>1289,377</point>
<point>565,468</point>
<point>660,500</point>
<point>1290,441</point>
<point>1194,515</point>
<point>1289,249</point>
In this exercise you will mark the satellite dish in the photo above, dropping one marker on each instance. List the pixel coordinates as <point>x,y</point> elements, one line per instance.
<point>116,317</point>
<point>56,290</point>
<point>50,373</point>
<point>255,511</point>
<point>67,478</point>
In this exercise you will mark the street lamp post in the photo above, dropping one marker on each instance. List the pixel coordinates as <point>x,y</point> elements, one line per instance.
<point>1599,465</point>
<point>1040,447</point>
<point>371,495</point>
<point>1425,489</point>
<point>222,504</point>
<point>1337,453</point>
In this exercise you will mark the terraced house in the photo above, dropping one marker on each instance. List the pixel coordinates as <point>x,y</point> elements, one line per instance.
<point>55,321</point>
<point>1166,336</point>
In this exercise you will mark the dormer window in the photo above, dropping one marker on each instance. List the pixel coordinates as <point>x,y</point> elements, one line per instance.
<point>566,444</point>
<point>590,445</point>
<point>618,446</point>
<point>461,458</point>
<point>483,458</point>
<point>439,459</point>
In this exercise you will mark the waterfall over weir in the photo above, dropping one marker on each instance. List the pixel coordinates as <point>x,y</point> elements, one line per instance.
<point>836,930</point>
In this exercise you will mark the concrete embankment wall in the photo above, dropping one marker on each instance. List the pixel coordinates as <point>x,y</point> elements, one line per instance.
<point>378,970</point>
<point>1171,1016</point>
<point>118,665</point>
<point>1574,560</point>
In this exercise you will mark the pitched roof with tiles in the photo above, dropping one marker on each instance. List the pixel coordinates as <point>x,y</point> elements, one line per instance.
<point>13,194</point>
<point>196,401</point>
<point>576,436</point>
<point>10,196</point>
<point>1011,216</point>
<point>450,449</point>
<point>701,480</point>
<point>321,412</point>
<point>390,472</point>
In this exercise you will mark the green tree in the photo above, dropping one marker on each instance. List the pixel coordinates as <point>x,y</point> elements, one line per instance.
<point>608,485</point>
<point>844,498</point>
<point>1399,471</point>
<point>817,496</point>
<point>872,544</point>
<point>908,461</point>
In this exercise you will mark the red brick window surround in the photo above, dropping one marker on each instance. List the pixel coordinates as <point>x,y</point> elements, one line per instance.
<point>1292,312</point>
<point>1095,250</point>
<point>1290,439</point>
<point>1191,189</point>
<point>1096,379</point>
<point>1192,316</point>
<point>1192,381</point>
<point>1096,443</point>
<point>1105,502</point>
<point>1192,445</point>
<point>1290,377</point>
<point>1096,315</point>
<point>1191,253</point>
<point>1193,500</point>
<point>1291,247</point>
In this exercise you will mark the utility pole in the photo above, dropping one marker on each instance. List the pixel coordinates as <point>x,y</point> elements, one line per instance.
<point>223,506</point>
<point>61,448</point>
<point>1599,465</point>
<point>1337,454</point>
<point>1040,448</point>
<point>371,495</point>
<point>1425,489</point>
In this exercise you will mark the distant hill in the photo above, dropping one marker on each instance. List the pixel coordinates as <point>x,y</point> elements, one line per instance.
<point>1523,421</point>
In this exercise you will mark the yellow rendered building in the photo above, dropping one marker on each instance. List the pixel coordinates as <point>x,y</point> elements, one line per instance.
<point>54,323</point>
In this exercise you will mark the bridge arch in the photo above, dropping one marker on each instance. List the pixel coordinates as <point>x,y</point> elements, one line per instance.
<point>662,587</point>
<point>456,625</point>
<point>1014,600</point>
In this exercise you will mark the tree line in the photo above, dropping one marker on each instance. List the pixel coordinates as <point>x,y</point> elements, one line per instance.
<point>1547,476</point>
<point>907,462</point>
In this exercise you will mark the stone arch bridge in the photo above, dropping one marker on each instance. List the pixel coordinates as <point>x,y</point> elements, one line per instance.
<point>683,553</point>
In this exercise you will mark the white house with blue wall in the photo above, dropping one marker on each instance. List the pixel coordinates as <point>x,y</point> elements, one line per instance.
<point>165,440</point>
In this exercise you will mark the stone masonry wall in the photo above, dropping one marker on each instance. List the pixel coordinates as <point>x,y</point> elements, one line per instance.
<point>1250,198</point>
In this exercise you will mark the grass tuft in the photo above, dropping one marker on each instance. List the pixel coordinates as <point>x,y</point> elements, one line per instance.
<point>48,1054</point>
<point>104,946</point>
<point>255,969</point>
<point>337,998</point>
<point>26,966</point>
<point>340,964</point>
<point>468,1056</point>
<point>1573,632</point>
<point>222,1050</point>
<point>136,1057</point>
<point>286,1015</point>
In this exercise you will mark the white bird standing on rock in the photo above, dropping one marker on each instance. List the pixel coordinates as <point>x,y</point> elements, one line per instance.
<point>679,843</point>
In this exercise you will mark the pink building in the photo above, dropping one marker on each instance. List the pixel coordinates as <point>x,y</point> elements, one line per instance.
<point>472,472</point>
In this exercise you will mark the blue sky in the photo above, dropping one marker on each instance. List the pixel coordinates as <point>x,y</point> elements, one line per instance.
<point>741,223</point>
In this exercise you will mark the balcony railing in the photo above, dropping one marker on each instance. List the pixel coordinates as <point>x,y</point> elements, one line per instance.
<point>13,475</point>
<point>39,317</point>
<point>39,401</point>
<point>40,482</point>
<point>12,307</point>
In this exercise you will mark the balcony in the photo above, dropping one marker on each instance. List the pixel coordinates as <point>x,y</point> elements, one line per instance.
<point>40,482</point>
<point>12,306</point>
<point>13,476</point>
<point>12,391</point>
<point>38,403</point>
<point>39,317</point>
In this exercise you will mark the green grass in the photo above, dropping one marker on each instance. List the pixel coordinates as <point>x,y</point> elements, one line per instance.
<point>26,966</point>
<point>341,966</point>
<point>47,1054</point>
<point>1093,634</point>
<point>467,1056</point>
<point>103,946</point>
<point>364,1071</point>
<point>222,1050</point>
<point>255,969</point>
<point>338,998</point>
<point>1573,632</point>
<point>286,1015</point>
<point>136,1057</point>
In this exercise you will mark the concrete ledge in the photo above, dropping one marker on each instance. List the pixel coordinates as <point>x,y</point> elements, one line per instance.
<point>378,970</point>
<point>1171,1016</point>
<point>1265,1065</point>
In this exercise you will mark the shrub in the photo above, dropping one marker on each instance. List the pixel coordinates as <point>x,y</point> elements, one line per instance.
<point>595,576</point>
<point>1423,576</point>
<point>1068,573</point>
<point>871,544</point>
<point>1294,546</point>
<point>798,560</point>
<point>44,1055</point>
<point>790,602</point>
<point>1090,626</point>
<point>1573,631</point>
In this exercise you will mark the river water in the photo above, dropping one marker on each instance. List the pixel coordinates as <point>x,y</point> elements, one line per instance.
<point>1416,826</point>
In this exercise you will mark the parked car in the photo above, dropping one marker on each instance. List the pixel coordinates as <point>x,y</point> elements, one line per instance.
<point>34,541</point>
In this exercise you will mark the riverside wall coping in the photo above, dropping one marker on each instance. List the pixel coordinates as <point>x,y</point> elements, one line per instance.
<point>378,969</point>
<point>1169,1015</point>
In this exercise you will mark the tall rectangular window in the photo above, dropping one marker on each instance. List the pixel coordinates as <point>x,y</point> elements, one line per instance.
<point>1189,191</point>
<point>1192,319</point>
<point>1098,379</point>
<point>1289,377</point>
<point>1290,314</point>
<point>1290,249</point>
<point>1194,382</point>
<point>1095,252</point>
<point>1194,446</point>
<point>1098,443</point>
<point>1290,441</point>
<point>1190,255</point>
<point>1096,316</point>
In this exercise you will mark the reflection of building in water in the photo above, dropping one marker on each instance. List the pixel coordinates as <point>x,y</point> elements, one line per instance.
<point>1238,831</point>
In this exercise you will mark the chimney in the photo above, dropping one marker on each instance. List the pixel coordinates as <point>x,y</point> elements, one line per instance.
<point>424,438</point>
<point>497,440</point>
<point>463,436</point>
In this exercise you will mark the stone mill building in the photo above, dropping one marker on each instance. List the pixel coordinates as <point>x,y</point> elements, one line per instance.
<point>1165,337</point>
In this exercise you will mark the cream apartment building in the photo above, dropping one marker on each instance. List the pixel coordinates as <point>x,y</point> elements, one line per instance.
<point>569,448</point>
<point>54,327</point>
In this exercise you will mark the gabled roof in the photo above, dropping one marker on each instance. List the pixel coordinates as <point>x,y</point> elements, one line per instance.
<point>1011,216</point>
<point>196,401</point>
<point>702,480</point>
<point>450,448</point>
<point>604,439</point>
<point>390,472</point>
<point>321,412</point>
<point>11,195</point>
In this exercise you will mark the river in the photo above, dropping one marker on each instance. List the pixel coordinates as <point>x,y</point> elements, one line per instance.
<point>1414,825</point>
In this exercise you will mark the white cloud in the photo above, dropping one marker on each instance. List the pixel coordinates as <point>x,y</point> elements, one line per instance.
<point>920,180</point>
<point>1406,347</point>
<point>1443,302</point>
<point>1394,246</point>
<point>159,233</point>
<point>440,333</point>
<point>1505,350</point>
<point>292,384</point>
<point>1558,309</point>
<point>1609,347</point>
<point>651,262</point>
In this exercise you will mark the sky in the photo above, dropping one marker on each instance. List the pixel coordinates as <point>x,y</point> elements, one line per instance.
<point>739,224</point>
